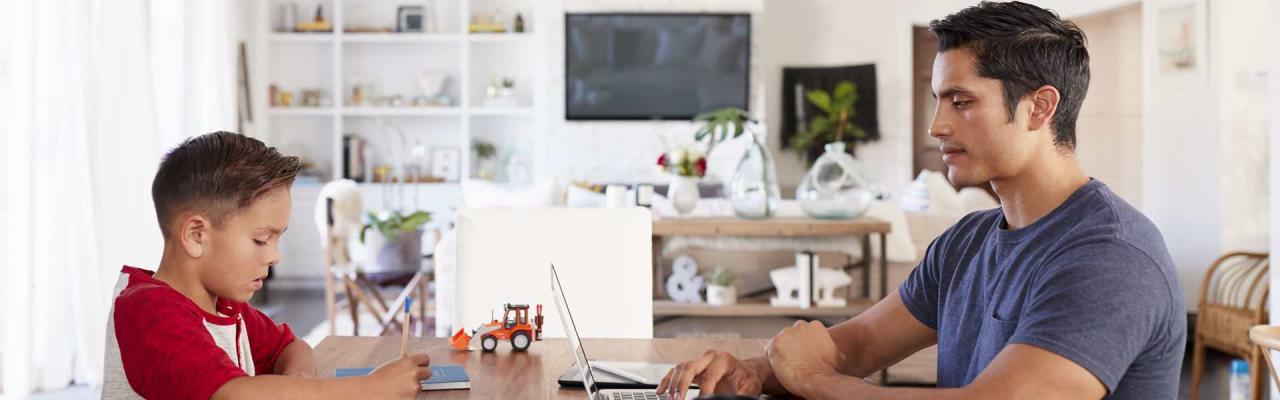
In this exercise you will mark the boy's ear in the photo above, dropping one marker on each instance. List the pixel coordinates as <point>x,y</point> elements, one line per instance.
<point>193,235</point>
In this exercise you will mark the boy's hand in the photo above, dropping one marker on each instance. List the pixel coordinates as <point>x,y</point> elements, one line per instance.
<point>400,378</point>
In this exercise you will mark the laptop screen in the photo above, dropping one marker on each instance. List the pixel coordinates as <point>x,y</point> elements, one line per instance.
<point>571,332</point>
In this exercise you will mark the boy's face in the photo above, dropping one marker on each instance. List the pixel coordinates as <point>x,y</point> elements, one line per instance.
<point>239,254</point>
<point>978,142</point>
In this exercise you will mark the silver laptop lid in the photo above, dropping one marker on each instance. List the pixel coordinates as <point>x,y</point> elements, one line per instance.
<point>571,333</point>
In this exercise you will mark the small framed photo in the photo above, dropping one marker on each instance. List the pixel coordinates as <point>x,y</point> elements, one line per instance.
<point>410,18</point>
<point>445,163</point>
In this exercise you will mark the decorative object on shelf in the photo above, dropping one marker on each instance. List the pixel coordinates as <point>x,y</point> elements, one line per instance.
<point>286,98</point>
<point>353,158</point>
<point>444,164</point>
<point>382,174</point>
<point>721,289</point>
<point>500,92</point>
<point>684,282</point>
<point>434,86</point>
<point>644,195</point>
<point>686,167</point>
<point>357,95</point>
<point>519,25</point>
<point>615,196</point>
<point>753,189</point>
<point>410,18</point>
<point>800,113</point>
<point>837,186</point>
<point>485,153</point>
<point>517,169</point>
<point>273,93</point>
<point>311,98</point>
<point>317,25</point>
<point>396,244</point>
<point>805,283</point>
<point>485,23</point>
<point>288,17</point>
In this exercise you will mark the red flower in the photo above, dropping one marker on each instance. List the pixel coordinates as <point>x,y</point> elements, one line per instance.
<point>662,159</point>
<point>701,167</point>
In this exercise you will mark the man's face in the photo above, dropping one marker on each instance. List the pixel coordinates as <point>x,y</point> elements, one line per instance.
<point>978,142</point>
<point>247,245</point>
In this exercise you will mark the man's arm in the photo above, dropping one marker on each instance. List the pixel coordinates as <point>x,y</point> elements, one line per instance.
<point>1019,371</point>
<point>296,359</point>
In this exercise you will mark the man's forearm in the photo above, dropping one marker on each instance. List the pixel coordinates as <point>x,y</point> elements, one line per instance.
<point>296,359</point>
<point>836,386</point>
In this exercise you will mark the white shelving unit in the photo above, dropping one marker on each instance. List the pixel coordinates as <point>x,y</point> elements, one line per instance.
<point>334,62</point>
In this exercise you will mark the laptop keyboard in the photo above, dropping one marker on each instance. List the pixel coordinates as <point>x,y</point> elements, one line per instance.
<point>638,396</point>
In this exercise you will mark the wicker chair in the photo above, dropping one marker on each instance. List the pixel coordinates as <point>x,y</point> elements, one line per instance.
<point>1233,298</point>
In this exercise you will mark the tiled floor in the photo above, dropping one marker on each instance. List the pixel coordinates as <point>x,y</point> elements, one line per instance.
<point>304,310</point>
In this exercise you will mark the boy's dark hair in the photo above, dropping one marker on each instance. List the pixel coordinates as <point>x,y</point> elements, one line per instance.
<point>219,174</point>
<point>1025,47</point>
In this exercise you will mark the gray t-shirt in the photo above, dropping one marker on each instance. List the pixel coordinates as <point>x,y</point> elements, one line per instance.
<point>1092,282</point>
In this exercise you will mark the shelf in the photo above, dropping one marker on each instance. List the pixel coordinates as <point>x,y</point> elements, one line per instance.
<point>517,111</point>
<point>756,307</point>
<point>441,185</point>
<point>301,37</point>
<point>499,37</point>
<point>400,111</point>
<point>301,111</point>
<point>401,38</point>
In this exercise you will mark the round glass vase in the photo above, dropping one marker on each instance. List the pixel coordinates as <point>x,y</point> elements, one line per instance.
<point>836,187</point>
<point>753,190</point>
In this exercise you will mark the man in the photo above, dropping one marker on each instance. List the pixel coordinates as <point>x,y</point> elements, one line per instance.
<point>1064,292</point>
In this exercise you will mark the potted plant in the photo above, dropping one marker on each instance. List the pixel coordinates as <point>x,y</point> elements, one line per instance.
<point>686,166</point>
<point>835,125</point>
<point>396,241</point>
<point>753,189</point>
<point>720,287</point>
<point>484,152</point>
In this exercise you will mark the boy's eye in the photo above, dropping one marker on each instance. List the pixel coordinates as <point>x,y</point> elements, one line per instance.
<point>259,242</point>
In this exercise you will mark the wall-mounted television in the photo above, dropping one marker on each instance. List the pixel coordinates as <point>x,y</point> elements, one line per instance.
<point>655,66</point>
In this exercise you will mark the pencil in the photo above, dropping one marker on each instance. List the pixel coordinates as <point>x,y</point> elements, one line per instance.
<point>404,332</point>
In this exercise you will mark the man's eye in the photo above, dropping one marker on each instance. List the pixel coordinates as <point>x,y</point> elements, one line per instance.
<point>961,103</point>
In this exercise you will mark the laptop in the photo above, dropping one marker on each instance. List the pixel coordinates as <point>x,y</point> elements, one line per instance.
<point>584,365</point>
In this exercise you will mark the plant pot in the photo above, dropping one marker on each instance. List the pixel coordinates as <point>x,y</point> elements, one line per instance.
<point>378,254</point>
<point>722,295</point>
<point>683,193</point>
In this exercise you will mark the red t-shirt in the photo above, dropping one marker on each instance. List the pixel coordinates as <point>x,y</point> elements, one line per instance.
<point>160,345</point>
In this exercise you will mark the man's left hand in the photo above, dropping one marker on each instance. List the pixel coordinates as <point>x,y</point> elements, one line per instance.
<point>803,351</point>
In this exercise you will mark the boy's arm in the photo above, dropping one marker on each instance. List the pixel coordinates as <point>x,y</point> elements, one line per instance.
<point>297,360</point>
<point>395,379</point>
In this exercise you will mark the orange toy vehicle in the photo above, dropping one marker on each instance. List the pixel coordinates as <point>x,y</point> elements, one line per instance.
<point>515,327</point>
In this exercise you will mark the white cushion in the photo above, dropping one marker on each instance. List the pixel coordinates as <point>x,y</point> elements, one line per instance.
<point>485,194</point>
<point>898,244</point>
<point>932,193</point>
<point>579,197</point>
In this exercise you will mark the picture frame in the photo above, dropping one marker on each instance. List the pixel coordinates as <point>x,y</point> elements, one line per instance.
<point>446,163</point>
<point>410,19</point>
<point>1181,42</point>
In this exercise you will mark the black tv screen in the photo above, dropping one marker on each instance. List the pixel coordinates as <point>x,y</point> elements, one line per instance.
<point>655,66</point>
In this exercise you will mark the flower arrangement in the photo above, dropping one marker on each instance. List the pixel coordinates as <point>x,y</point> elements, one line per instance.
<point>684,162</point>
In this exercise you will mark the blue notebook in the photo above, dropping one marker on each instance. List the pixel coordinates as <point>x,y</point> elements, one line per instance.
<point>443,377</point>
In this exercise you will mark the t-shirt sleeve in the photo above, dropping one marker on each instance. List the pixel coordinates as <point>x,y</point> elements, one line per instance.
<point>166,351</point>
<point>919,292</point>
<point>266,339</point>
<point>1096,305</point>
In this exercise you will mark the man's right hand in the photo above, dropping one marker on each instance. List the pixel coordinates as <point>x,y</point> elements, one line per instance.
<point>400,378</point>
<point>716,372</point>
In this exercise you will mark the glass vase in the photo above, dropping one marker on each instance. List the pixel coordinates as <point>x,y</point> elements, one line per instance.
<point>836,187</point>
<point>753,190</point>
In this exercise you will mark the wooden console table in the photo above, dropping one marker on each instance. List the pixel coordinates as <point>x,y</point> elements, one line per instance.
<point>797,233</point>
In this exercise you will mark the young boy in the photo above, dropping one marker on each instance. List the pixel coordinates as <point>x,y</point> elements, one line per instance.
<point>186,332</point>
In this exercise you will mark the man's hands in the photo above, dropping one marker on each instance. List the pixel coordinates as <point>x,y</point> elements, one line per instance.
<point>716,372</point>
<point>399,378</point>
<point>801,352</point>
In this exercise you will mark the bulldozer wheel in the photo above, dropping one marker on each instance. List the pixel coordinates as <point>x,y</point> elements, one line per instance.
<point>520,341</point>
<point>489,343</point>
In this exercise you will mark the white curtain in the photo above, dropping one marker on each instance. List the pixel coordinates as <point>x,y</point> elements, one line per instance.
<point>92,93</point>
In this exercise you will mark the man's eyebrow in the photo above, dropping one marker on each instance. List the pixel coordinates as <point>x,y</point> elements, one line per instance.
<point>952,91</point>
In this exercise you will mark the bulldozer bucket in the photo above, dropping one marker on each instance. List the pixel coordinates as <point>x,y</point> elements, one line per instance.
<point>460,340</point>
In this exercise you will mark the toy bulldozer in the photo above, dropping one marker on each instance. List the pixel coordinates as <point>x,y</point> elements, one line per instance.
<point>515,327</point>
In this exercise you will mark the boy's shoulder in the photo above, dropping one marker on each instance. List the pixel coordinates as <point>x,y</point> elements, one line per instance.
<point>137,288</point>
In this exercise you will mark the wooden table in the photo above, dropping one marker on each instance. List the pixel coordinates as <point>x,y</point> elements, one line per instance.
<point>782,227</point>
<point>529,375</point>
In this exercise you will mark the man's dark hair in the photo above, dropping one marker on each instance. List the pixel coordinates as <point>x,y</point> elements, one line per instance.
<point>1024,47</point>
<point>218,174</point>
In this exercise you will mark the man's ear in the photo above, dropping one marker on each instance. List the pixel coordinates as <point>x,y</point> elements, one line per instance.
<point>193,234</point>
<point>1044,106</point>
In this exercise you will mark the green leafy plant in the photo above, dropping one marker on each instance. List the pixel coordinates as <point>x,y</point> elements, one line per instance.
<point>722,277</point>
<point>484,150</point>
<point>837,123</point>
<point>395,223</point>
<point>718,125</point>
